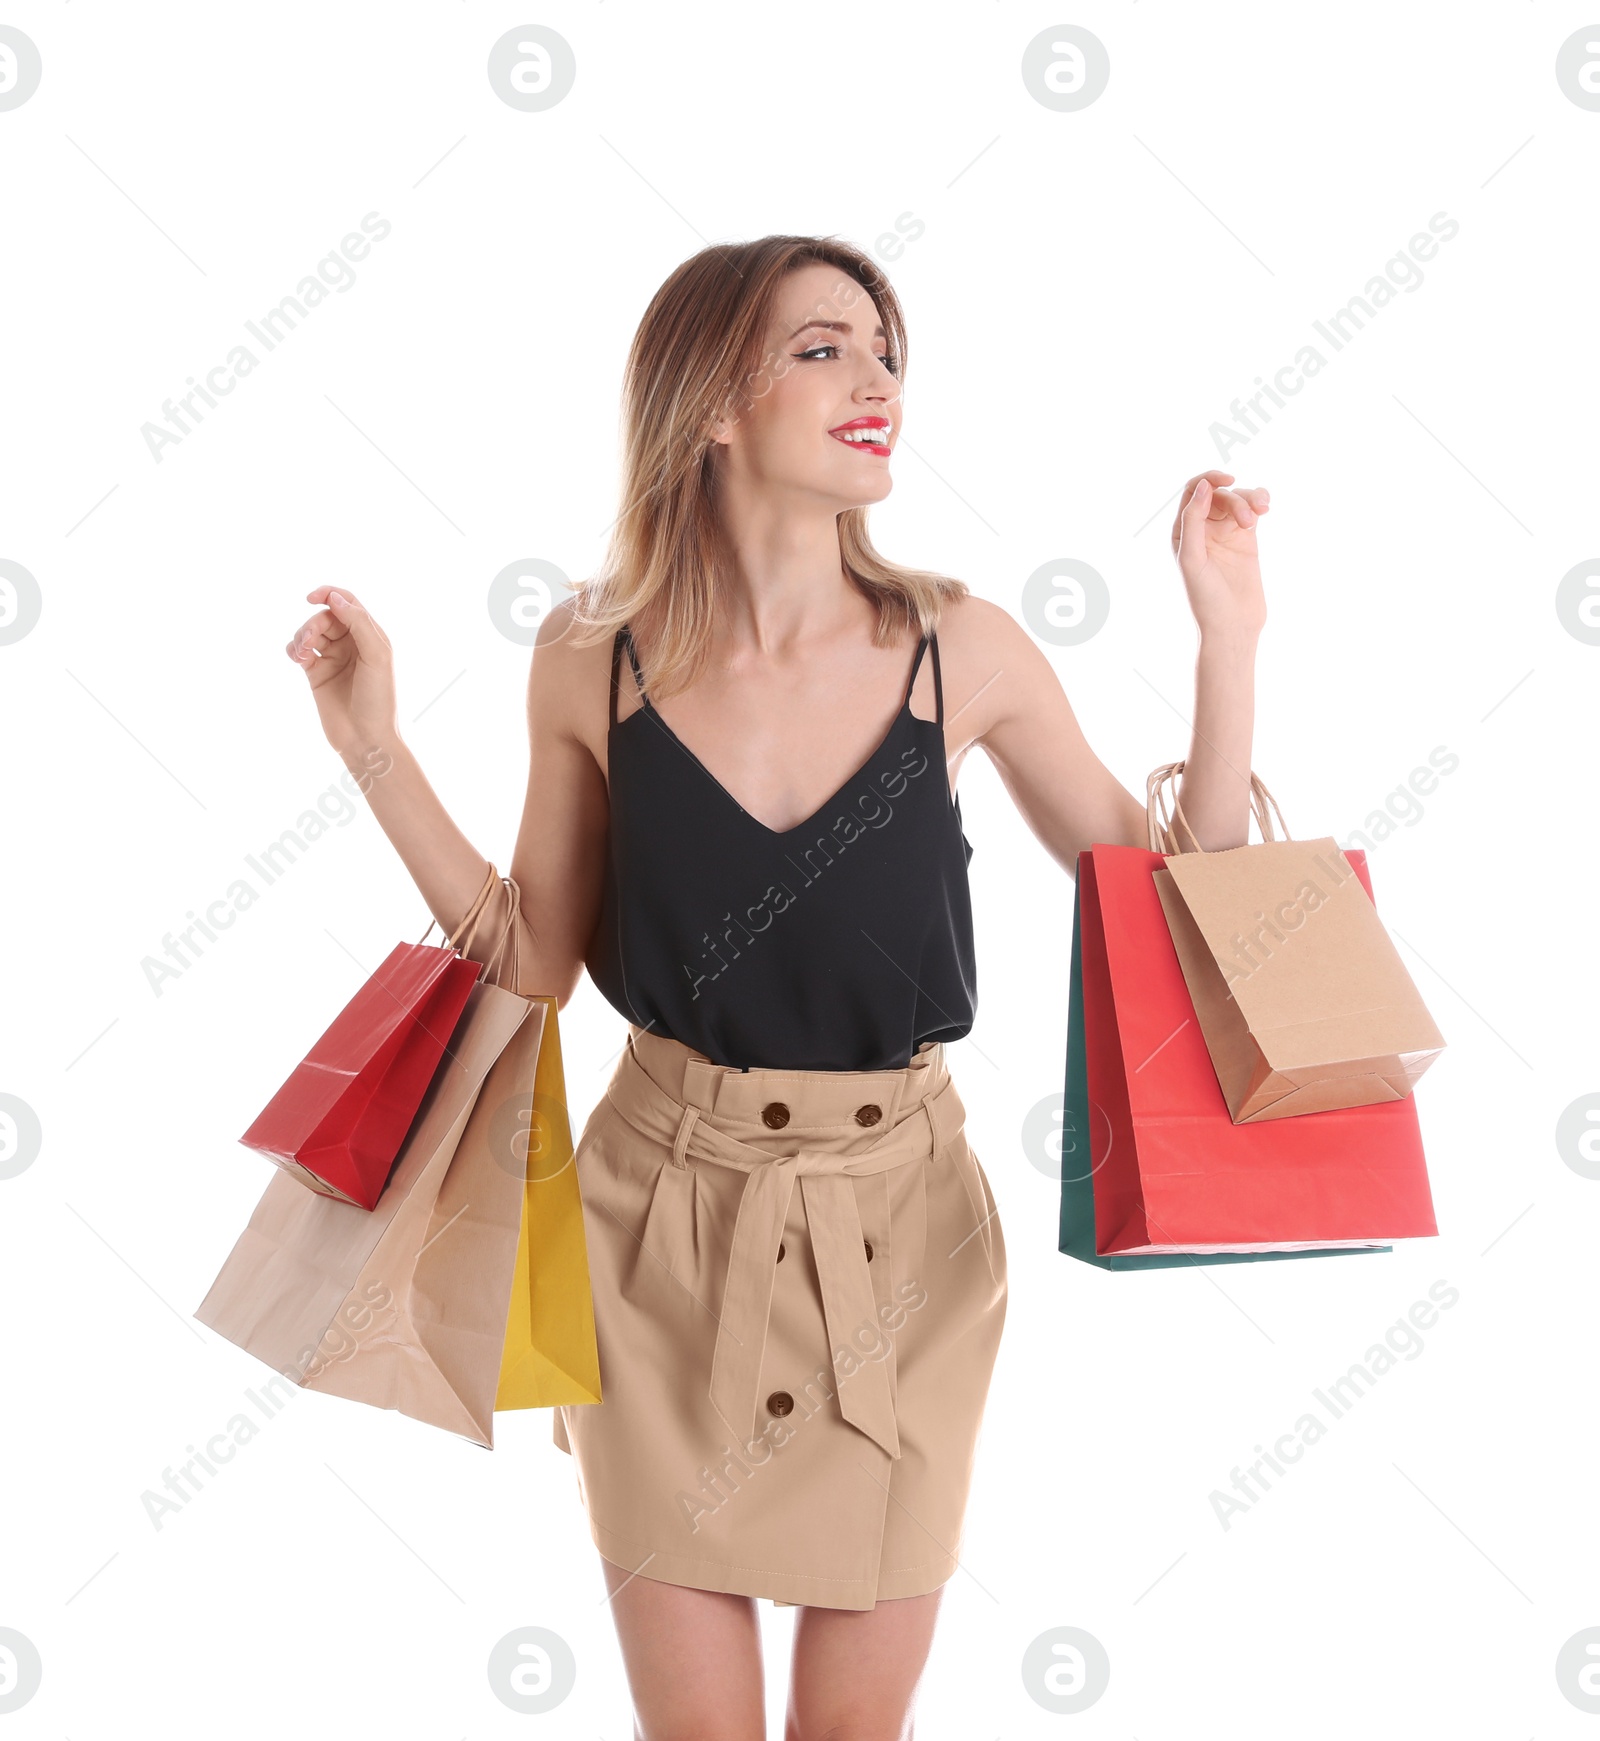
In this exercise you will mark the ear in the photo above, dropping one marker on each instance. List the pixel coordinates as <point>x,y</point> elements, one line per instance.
<point>722,429</point>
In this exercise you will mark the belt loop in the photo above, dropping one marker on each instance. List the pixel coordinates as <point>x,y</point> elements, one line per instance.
<point>681,1142</point>
<point>700,1079</point>
<point>942,1116</point>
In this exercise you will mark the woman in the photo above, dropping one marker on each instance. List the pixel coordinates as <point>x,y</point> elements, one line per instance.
<point>799,1276</point>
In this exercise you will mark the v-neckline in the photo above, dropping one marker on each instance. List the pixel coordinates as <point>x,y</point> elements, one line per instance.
<point>648,706</point>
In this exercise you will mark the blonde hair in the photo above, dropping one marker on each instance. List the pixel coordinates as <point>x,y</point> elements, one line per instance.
<point>697,357</point>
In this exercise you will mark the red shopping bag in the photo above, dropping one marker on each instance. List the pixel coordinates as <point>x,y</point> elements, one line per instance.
<point>341,1119</point>
<point>1177,1174</point>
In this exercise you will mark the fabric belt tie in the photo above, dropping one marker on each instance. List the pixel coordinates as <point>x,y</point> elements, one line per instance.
<point>866,1397</point>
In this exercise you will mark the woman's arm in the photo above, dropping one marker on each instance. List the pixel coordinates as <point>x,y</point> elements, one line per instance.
<point>1006,697</point>
<point>559,857</point>
<point>1003,695</point>
<point>1214,541</point>
<point>559,851</point>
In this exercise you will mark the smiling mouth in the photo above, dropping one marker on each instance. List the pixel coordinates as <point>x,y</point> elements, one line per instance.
<point>870,437</point>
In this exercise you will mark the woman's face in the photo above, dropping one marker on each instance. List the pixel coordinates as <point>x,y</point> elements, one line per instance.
<point>820,417</point>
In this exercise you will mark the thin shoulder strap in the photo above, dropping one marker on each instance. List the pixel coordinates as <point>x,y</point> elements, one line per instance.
<point>916,666</point>
<point>623,635</point>
<point>616,653</point>
<point>938,684</point>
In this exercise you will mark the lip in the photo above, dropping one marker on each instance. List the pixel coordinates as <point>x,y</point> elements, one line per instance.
<point>839,430</point>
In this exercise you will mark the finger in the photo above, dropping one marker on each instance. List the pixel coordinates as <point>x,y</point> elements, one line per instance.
<point>308,643</point>
<point>1256,498</point>
<point>1230,502</point>
<point>1192,516</point>
<point>357,623</point>
<point>320,627</point>
<point>318,595</point>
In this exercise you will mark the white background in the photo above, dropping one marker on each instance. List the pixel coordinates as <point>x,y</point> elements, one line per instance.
<point>1087,295</point>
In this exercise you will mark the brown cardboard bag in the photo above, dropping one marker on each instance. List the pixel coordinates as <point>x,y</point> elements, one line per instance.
<point>404,1306</point>
<point>1301,995</point>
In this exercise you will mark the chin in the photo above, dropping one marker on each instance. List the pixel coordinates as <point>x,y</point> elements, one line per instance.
<point>864,498</point>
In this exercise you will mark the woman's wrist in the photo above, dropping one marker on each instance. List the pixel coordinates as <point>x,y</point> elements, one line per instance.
<point>374,758</point>
<point>1237,642</point>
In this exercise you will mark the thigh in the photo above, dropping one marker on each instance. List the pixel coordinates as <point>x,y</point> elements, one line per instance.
<point>693,1659</point>
<point>860,1667</point>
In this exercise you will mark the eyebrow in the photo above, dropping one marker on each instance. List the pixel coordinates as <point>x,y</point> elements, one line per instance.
<point>833,326</point>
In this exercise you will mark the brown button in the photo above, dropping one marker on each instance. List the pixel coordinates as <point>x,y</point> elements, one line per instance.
<point>868,1244</point>
<point>775,1115</point>
<point>780,1251</point>
<point>868,1114</point>
<point>780,1403</point>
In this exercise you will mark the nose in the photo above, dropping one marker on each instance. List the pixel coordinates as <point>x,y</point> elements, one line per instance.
<point>880,387</point>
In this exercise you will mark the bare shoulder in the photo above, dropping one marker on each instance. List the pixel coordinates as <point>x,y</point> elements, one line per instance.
<point>991,667</point>
<point>569,682</point>
<point>981,628</point>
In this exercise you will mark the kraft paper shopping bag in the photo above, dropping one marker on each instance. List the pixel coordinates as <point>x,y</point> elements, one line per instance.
<point>433,1349</point>
<point>1302,996</point>
<point>311,1275</point>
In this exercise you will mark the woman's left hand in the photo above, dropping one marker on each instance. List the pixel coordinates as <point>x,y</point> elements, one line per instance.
<point>1214,540</point>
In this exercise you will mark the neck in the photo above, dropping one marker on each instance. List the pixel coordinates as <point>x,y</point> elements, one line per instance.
<point>789,586</point>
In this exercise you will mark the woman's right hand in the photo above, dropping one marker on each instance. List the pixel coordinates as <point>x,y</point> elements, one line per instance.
<point>349,664</point>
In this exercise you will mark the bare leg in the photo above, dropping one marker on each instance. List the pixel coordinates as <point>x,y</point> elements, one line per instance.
<point>855,1673</point>
<point>693,1659</point>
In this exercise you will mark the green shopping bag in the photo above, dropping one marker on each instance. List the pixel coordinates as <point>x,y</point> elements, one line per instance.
<point>1077,1236</point>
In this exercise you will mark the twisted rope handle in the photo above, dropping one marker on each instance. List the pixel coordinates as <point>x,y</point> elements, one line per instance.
<point>511,932</point>
<point>1163,832</point>
<point>470,921</point>
<point>471,916</point>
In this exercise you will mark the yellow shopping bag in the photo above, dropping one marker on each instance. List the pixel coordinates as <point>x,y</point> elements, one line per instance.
<point>550,1356</point>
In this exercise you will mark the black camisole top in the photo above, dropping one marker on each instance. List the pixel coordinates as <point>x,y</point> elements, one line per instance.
<point>843,943</point>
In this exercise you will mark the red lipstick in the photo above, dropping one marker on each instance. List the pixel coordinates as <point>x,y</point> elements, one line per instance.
<point>878,448</point>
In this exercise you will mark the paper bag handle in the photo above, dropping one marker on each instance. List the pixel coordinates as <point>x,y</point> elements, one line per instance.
<point>470,920</point>
<point>1163,835</point>
<point>471,916</point>
<point>511,932</point>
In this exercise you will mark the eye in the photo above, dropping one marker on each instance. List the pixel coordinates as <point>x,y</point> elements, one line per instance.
<point>890,362</point>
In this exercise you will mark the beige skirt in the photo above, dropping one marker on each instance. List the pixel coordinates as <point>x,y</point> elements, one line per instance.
<point>799,1287</point>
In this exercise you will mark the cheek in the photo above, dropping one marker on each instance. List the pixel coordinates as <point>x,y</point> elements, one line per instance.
<point>790,423</point>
